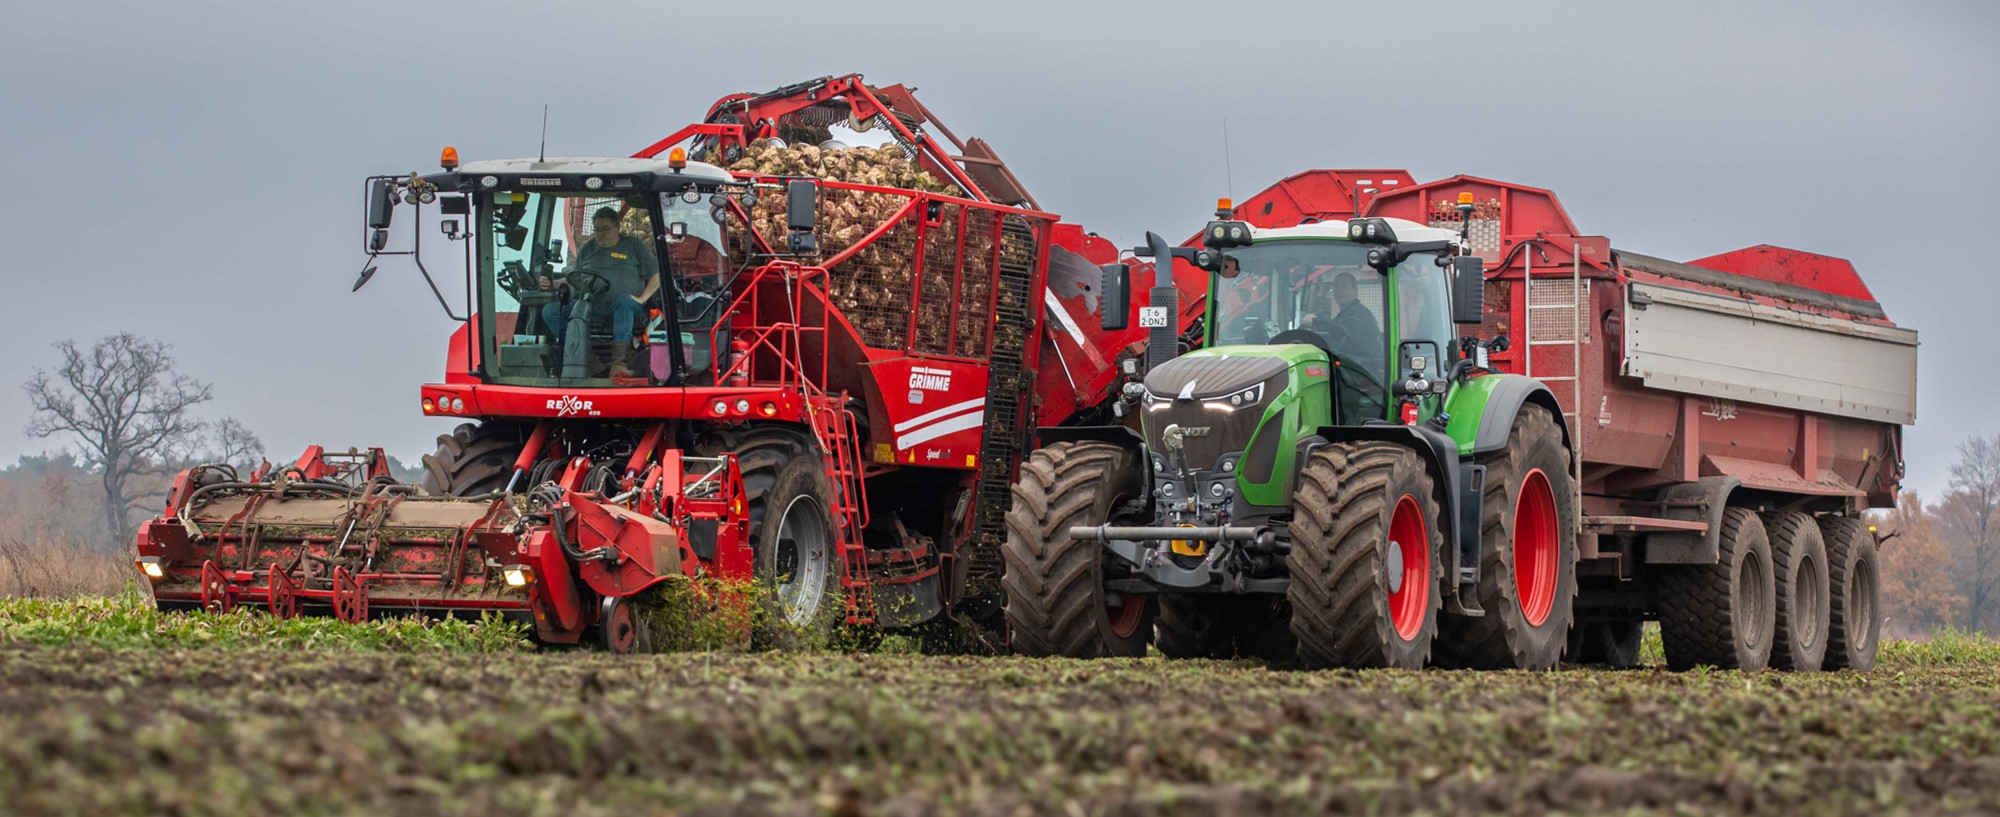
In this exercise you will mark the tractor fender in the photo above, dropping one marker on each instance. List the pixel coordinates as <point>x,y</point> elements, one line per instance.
<point>1493,400</point>
<point>1440,456</point>
<point>1702,500</point>
<point>1121,436</point>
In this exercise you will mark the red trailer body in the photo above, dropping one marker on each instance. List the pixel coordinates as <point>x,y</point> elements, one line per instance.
<point>1764,377</point>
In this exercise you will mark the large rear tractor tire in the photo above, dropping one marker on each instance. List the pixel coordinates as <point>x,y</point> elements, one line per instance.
<point>1722,614</point>
<point>1799,555</point>
<point>1208,625</point>
<point>1527,571</point>
<point>1854,622</point>
<point>473,459</point>
<point>1056,601</point>
<point>1365,558</point>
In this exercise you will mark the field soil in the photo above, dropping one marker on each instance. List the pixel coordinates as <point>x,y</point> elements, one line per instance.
<point>176,731</point>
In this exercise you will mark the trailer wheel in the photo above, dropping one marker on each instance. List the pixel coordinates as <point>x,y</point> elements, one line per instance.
<point>1854,623</point>
<point>1798,643</point>
<point>1722,614</point>
<point>1056,601</point>
<point>1364,560</point>
<point>1614,644</point>
<point>1527,570</point>
<point>473,459</point>
<point>1208,625</point>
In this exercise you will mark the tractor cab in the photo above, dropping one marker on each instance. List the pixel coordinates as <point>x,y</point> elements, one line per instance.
<point>584,272</point>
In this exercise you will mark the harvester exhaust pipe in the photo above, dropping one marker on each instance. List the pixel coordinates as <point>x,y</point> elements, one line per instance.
<point>1162,342</point>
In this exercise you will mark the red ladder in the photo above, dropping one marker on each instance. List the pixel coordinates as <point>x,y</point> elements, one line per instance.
<point>840,446</point>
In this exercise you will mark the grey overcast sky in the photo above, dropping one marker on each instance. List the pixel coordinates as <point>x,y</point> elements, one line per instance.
<point>191,170</point>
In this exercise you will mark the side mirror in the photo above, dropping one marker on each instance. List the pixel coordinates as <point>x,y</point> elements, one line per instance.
<point>378,240</point>
<point>801,216</point>
<point>1468,289</point>
<point>381,203</point>
<point>1114,304</point>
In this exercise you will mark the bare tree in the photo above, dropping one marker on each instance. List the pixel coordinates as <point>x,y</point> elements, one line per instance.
<point>1971,518</point>
<point>233,444</point>
<point>129,408</point>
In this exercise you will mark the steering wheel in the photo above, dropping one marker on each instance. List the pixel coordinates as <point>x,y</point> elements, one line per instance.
<point>590,282</point>
<point>1305,336</point>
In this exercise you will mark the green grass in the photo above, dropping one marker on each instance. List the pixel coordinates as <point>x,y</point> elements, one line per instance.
<point>130,622</point>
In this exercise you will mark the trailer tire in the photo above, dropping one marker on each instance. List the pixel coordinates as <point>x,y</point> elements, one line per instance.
<point>1722,614</point>
<point>1854,621</point>
<point>1613,644</point>
<point>1209,625</point>
<point>1798,643</point>
<point>1527,570</point>
<point>473,459</point>
<point>1056,601</point>
<point>1360,595</point>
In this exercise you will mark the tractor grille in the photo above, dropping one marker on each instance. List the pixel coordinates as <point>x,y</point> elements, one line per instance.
<point>1006,421</point>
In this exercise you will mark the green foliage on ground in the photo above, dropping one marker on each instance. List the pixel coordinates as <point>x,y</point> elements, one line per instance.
<point>129,622</point>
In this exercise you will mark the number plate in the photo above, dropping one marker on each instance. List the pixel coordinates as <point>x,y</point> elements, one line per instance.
<point>1152,316</point>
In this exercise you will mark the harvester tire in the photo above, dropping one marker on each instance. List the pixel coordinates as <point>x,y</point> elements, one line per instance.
<point>797,560</point>
<point>1209,625</point>
<point>1056,601</point>
<point>1854,621</point>
<point>1527,563</point>
<point>1799,555</point>
<point>1365,558</point>
<point>1613,644</point>
<point>1722,614</point>
<point>766,456</point>
<point>473,459</point>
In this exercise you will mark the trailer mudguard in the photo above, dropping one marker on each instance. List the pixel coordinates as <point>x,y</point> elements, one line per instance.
<point>1482,410</point>
<point>1703,500</point>
<point>1440,455</point>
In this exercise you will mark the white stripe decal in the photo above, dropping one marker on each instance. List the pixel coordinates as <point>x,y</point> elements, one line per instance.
<point>934,431</point>
<point>1062,317</point>
<point>947,410</point>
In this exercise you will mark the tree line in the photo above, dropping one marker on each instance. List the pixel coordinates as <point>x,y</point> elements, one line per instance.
<point>1940,560</point>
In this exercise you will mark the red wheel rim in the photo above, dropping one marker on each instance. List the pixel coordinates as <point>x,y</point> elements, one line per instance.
<point>1535,537</point>
<point>1126,614</point>
<point>1409,546</point>
<point>620,633</point>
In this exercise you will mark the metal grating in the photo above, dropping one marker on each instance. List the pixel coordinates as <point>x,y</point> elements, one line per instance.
<point>874,287</point>
<point>1485,236</point>
<point>1552,311</point>
<point>1006,392</point>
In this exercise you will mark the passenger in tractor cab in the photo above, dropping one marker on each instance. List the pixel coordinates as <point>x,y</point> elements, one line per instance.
<point>620,274</point>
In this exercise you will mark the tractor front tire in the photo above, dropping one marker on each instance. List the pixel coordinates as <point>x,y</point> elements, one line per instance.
<point>473,460</point>
<point>1365,558</point>
<point>1056,601</point>
<point>1854,622</point>
<point>1527,570</point>
<point>1799,555</point>
<point>1722,614</point>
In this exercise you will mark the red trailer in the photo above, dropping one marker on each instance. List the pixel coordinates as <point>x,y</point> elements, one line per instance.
<point>1760,388</point>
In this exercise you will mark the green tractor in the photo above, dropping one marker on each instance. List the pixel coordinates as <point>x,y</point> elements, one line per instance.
<point>1334,478</point>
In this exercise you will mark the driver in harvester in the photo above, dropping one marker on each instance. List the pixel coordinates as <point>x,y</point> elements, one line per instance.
<point>629,275</point>
<point>1351,330</point>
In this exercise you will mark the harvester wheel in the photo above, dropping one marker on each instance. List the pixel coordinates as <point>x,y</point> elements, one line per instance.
<point>1364,558</point>
<point>621,629</point>
<point>1056,601</point>
<point>473,459</point>
<point>1527,569</point>
<point>1855,619</point>
<point>797,564</point>
<point>1614,644</point>
<point>1722,614</point>
<point>1799,555</point>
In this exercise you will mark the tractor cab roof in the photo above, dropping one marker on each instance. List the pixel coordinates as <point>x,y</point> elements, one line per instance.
<point>592,174</point>
<point>1405,231</point>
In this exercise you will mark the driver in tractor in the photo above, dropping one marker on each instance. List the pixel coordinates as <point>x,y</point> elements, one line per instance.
<point>622,275</point>
<point>1351,331</point>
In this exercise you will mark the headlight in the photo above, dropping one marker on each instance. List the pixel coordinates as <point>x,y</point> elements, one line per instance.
<point>1247,397</point>
<point>151,566</point>
<point>518,575</point>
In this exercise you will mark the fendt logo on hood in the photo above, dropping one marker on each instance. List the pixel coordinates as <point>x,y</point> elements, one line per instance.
<point>568,404</point>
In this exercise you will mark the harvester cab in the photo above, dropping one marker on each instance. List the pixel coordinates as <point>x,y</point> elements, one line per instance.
<point>1305,482</point>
